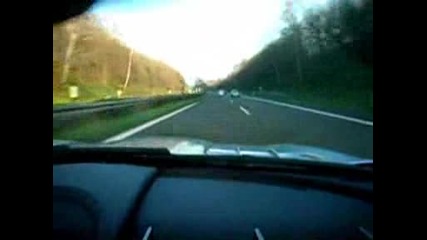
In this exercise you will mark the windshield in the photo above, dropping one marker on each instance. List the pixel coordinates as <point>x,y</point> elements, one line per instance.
<point>261,75</point>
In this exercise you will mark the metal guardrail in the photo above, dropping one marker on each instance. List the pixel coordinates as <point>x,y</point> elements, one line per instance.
<point>110,103</point>
<point>65,116</point>
<point>82,106</point>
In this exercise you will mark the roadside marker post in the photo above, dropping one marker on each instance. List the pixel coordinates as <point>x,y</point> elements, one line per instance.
<point>73,92</point>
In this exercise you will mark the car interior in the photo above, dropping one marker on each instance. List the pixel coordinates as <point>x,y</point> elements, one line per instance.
<point>150,194</point>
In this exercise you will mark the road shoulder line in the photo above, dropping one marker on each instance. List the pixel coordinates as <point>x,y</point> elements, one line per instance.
<point>333,115</point>
<point>148,124</point>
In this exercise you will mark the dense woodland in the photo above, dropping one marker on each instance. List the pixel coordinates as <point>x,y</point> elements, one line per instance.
<point>86,55</point>
<point>325,56</point>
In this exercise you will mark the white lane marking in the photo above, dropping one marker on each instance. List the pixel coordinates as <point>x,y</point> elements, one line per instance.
<point>258,234</point>
<point>364,231</point>
<point>146,125</point>
<point>333,115</point>
<point>147,233</point>
<point>245,110</point>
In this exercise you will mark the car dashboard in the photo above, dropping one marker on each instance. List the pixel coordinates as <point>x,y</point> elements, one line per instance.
<point>124,201</point>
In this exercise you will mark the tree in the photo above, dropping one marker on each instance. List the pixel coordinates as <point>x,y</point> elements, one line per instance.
<point>313,49</point>
<point>71,29</point>
<point>200,84</point>
<point>128,69</point>
<point>294,34</point>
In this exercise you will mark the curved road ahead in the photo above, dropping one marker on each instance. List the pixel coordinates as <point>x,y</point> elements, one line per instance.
<point>248,121</point>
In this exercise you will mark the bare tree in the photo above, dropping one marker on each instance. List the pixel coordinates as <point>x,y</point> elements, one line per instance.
<point>129,69</point>
<point>70,28</point>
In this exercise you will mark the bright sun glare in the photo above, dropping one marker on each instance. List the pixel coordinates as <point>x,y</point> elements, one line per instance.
<point>201,39</point>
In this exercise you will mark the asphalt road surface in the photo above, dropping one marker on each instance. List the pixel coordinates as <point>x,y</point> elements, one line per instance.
<point>242,120</point>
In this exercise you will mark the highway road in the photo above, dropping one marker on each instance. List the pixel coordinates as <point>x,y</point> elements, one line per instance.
<point>244,120</point>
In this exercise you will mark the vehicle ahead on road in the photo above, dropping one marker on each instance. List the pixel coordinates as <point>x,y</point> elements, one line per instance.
<point>221,92</point>
<point>168,188</point>
<point>234,93</point>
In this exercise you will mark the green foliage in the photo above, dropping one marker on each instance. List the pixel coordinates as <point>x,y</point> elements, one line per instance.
<point>326,58</point>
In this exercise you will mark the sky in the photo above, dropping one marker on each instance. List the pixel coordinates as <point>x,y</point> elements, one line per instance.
<point>199,38</point>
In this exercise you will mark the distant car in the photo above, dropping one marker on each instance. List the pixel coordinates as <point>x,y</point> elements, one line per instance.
<point>234,93</point>
<point>221,92</point>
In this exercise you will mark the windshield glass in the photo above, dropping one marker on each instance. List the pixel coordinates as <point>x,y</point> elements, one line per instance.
<point>196,76</point>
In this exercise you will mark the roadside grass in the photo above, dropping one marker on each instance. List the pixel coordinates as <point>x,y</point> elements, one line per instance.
<point>357,104</point>
<point>99,129</point>
<point>331,81</point>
